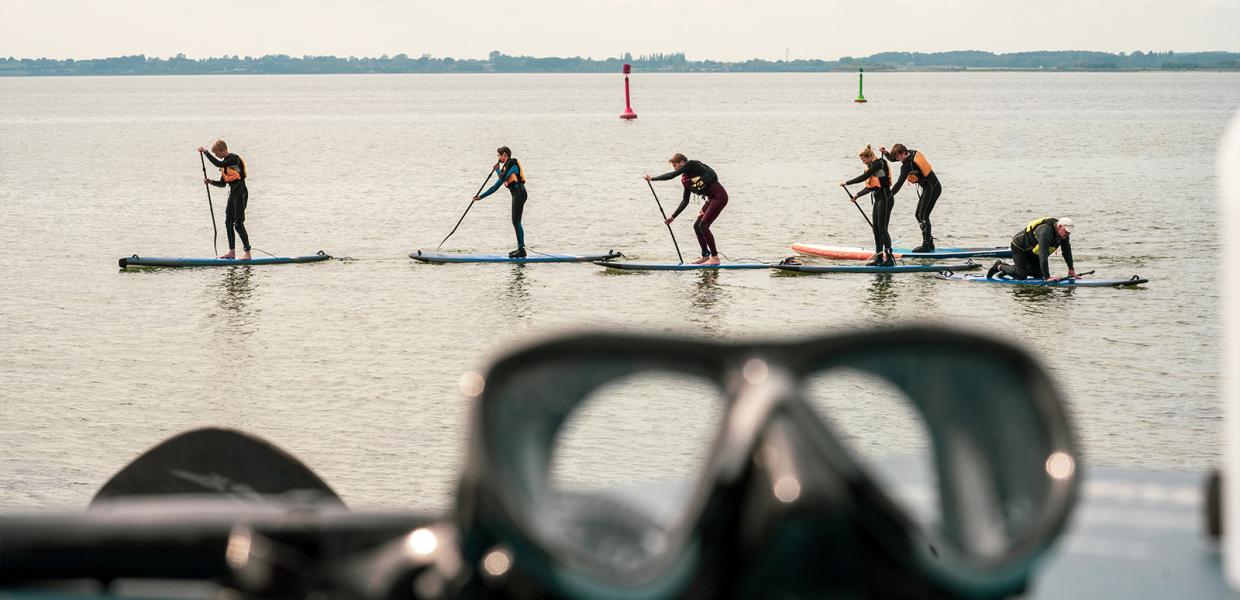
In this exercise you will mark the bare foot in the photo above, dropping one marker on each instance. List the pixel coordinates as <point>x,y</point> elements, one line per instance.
<point>699,261</point>
<point>230,255</point>
<point>245,256</point>
<point>714,260</point>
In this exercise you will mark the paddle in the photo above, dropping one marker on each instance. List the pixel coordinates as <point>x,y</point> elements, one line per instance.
<point>215,241</point>
<point>854,201</point>
<point>214,461</point>
<point>669,227</point>
<point>471,205</point>
<point>1078,275</point>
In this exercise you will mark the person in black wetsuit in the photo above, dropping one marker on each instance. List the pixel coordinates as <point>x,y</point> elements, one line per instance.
<point>697,178</point>
<point>232,174</point>
<point>916,169</point>
<point>511,176</point>
<point>877,178</point>
<point>1032,248</point>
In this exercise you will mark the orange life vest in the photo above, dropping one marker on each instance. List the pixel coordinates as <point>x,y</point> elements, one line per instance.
<point>923,165</point>
<point>518,177</point>
<point>231,174</point>
<point>874,181</point>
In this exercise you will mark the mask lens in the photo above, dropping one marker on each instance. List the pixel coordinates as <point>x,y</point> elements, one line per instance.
<point>959,436</point>
<point>880,425</point>
<point>609,468</point>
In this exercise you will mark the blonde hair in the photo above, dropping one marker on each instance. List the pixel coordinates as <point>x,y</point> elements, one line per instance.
<point>219,146</point>
<point>866,152</point>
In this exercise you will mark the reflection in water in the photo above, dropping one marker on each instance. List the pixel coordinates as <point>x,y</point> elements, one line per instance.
<point>233,294</point>
<point>926,291</point>
<point>706,292</point>
<point>882,297</point>
<point>231,354</point>
<point>704,300</point>
<point>1042,301</point>
<point>517,294</point>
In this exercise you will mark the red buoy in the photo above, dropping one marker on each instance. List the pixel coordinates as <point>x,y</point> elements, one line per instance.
<point>628,108</point>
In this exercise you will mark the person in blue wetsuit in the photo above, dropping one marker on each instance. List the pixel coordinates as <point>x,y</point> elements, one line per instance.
<point>511,176</point>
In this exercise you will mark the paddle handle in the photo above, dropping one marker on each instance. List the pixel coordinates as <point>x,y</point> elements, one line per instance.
<point>669,227</point>
<point>1080,275</point>
<point>215,239</point>
<point>471,205</point>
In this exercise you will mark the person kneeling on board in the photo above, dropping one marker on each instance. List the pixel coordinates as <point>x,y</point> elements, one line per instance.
<point>511,176</point>
<point>877,178</point>
<point>699,179</point>
<point>1032,248</point>
<point>232,174</point>
<point>915,169</point>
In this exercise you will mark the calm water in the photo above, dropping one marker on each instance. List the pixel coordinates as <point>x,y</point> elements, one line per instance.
<point>353,365</point>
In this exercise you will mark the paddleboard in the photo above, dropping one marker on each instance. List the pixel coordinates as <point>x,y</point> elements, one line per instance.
<point>854,253</point>
<point>214,461</point>
<point>151,261</point>
<point>670,266</point>
<point>935,268</point>
<point>1079,282</point>
<point>534,257</point>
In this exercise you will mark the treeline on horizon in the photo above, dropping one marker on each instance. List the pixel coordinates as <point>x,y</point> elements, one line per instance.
<point>497,62</point>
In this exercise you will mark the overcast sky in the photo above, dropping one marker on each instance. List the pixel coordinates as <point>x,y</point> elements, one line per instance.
<point>703,29</point>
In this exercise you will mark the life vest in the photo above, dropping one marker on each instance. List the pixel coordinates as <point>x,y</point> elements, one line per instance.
<point>1028,239</point>
<point>698,183</point>
<point>514,178</point>
<point>234,173</point>
<point>876,181</point>
<point>922,164</point>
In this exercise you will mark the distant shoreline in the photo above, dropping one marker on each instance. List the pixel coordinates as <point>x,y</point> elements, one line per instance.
<point>1066,61</point>
<point>944,71</point>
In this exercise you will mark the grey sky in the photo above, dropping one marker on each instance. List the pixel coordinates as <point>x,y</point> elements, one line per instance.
<point>718,29</point>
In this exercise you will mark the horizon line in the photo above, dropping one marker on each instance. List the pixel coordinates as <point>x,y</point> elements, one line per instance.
<point>620,58</point>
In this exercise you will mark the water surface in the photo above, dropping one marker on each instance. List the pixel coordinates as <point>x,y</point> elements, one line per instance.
<point>352,365</point>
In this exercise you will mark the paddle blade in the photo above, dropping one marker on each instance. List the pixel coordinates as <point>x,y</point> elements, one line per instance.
<point>214,461</point>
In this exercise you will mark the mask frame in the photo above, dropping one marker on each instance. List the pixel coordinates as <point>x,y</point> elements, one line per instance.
<point>512,437</point>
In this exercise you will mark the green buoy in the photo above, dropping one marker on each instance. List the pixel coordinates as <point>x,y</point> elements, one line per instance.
<point>860,80</point>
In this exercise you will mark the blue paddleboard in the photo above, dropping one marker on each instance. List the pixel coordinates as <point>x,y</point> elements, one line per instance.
<point>955,253</point>
<point>670,266</point>
<point>936,268</point>
<point>1078,282</point>
<point>152,261</point>
<point>534,257</point>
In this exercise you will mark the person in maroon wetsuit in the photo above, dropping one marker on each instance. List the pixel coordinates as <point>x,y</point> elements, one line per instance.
<point>700,179</point>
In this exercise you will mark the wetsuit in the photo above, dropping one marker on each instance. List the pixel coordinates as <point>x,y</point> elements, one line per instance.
<point>700,179</point>
<point>916,169</point>
<point>877,178</point>
<point>232,174</point>
<point>512,176</point>
<point>1032,248</point>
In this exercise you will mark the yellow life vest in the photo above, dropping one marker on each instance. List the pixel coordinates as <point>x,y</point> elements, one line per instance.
<point>1029,234</point>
